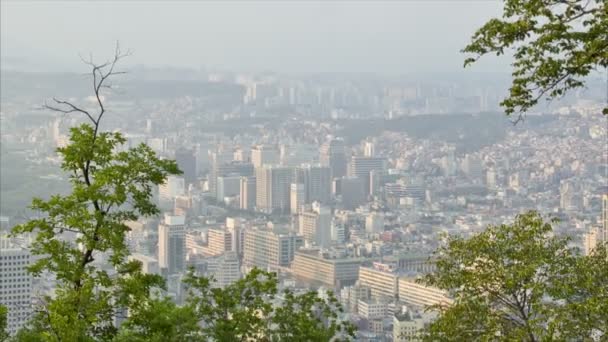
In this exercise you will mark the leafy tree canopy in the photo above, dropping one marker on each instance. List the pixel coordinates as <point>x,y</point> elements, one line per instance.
<point>517,282</point>
<point>555,44</point>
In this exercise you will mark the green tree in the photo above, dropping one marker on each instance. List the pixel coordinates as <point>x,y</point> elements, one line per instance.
<point>250,309</point>
<point>109,187</point>
<point>555,44</point>
<point>3,323</point>
<point>81,238</point>
<point>517,282</point>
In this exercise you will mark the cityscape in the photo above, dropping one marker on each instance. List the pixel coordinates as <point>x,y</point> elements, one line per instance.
<point>342,183</point>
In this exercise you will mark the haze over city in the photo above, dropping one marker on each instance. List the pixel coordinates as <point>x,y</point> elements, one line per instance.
<point>303,171</point>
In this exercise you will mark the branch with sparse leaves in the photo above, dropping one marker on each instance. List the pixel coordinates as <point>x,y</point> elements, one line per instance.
<point>555,45</point>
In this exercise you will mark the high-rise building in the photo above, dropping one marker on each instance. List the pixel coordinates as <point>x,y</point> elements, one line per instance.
<point>315,225</point>
<point>472,167</point>
<point>352,190</point>
<point>407,326</point>
<point>247,193</point>
<point>15,284</point>
<point>297,197</point>
<point>273,188</point>
<point>173,186</point>
<point>383,284</point>
<point>491,178</point>
<point>269,250</point>
<point>186,161</point>
<point>262,155</point>
<point>333,155</point>
<point>172,244</point>
<point>338,232</point>
<point>219,241</point>
<point>369,149</point>
<point>225,269</point>
<point>317,182</point>
<point>362,166</point>
<point>590,241</point>
<point>420,295</point>
<point>228,168</point>
<point>309,266</point>
<point>228,186</point>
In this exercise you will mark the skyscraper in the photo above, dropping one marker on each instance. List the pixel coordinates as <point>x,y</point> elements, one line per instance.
<point>273,188</point>
<point>172,244</point>
<point>297,197</point>
<point>220,241</point>
<point>247,194</point>
<point>173,186</point>
<point>352,191</point>
<point>229,168</point>
<point>315,225</point>
<point>269,250</point>
<point>362,166</point>
<point>333,155</point>
<point>317,182</point>
<point>186,161</point>
<point>15,284</point>
<point>264,155</point>
<point>472,167</point>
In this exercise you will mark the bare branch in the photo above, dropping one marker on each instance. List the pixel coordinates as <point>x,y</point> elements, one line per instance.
<point>71,108</point>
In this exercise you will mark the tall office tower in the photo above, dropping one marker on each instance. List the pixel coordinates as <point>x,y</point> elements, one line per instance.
<point>448,164</point>
<point>352,190</point>
<point>272,188</point>
<point>338,232</point>
<point>333,155</point>
<point>247,193</point>
<point>242,155</point>
<point>269,250</point>
<point>264,155</point>
<point>315,225</point>
<point>317,182</point>
<point>297,154</point>
<point>374,182</point>
<point>228,186</point>
<point>225,269</point>
<point>229,168</point>
<point>566,193</point>
<point>15,284</point>
<point>590,240</point>
<point>174,186</point>
<point>235,228</point>
<point>491,178</point>
<point>472,167</point>
<point>216,160</point>
<point>219,241</point>
<point>186,161</point>
<point>297,197</point>
<point>172,244</point>
<point>369,149</point>
<point>362,166</point>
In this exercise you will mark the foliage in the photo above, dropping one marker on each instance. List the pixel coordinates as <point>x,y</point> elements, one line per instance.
<point>3,323</point>
<point>109,187</point>
<point>81,238</point>
<point>555,43</point>
<point>516,282</point>
<point>77,233</point>
<point>250,309</point>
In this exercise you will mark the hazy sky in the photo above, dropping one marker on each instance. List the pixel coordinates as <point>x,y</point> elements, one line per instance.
<point>307,36</point>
